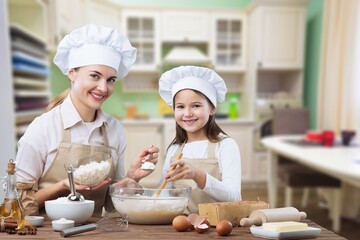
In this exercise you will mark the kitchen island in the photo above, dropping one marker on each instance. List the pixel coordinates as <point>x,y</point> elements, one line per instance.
<point>153,232</point>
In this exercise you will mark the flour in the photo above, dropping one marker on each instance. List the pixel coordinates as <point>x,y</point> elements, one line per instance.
<point>92,173</point>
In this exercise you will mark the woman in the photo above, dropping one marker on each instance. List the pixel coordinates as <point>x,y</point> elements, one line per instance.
<point>210,161</point>
<point>92,57</point>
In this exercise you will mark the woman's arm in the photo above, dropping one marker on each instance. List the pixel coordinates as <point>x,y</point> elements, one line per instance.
<point>54,191</point>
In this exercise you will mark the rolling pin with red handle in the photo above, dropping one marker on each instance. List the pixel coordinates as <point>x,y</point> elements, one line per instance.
<point>260,216</point>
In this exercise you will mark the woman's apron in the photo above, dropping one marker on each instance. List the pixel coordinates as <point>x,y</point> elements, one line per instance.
<point>210,165</point>
<point>69,153</point>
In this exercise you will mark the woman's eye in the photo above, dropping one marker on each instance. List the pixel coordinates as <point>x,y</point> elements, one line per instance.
<point>95,76</point>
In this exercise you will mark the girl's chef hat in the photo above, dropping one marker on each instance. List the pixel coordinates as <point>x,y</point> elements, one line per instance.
<point>201,79</point>
<point>93,44</point>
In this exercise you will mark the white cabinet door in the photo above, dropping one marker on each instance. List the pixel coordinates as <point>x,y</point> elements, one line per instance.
<point>142,29</point>
<point>282,34</point>
<point>67,16</point>
<point>228,44</point>
<point>102,14</point>
<point>140,136</point>
<point>185,26</point>
<point>243,135</point>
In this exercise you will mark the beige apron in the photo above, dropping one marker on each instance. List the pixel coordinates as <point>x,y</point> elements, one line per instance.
<point>211,166</point>
<point>68,152</point>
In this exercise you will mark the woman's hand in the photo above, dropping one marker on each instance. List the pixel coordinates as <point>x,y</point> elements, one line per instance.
<point>180,169</point>
<point>85,188</point>
<point>149,154</point>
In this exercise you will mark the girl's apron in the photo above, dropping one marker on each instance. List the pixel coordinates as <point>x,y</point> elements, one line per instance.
<point>210,165</point>
<point>71,153</point>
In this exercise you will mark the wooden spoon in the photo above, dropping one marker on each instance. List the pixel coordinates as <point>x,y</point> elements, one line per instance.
<point>163,184</point>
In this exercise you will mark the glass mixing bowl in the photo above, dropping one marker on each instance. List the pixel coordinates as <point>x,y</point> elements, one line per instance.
<point>144,206</point>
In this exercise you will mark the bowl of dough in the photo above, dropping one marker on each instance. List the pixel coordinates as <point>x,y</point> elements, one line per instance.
<point>92,169</point>
<point>149,206</point>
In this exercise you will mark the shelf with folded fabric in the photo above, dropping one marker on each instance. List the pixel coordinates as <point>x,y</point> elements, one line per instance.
<point>31,72</point>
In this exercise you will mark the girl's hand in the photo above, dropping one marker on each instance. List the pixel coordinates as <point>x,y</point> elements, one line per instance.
<point>180,169</point>
<point>127,182</point>
<point>149,154</point>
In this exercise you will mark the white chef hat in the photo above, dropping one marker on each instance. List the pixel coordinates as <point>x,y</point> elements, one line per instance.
<point>201,79</point>
<point>92,44</point>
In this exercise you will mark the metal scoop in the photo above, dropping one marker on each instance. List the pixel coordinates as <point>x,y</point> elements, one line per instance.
<point>73,196</point>
<point>112,222</point>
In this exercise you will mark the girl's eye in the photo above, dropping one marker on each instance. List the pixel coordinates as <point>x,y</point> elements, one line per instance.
<point>196,106</point>
<point>111,80</point>
<point>179,107</point>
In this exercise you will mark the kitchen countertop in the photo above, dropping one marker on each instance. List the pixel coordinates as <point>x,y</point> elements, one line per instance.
<point>159,120</point>
<point>152,232</point>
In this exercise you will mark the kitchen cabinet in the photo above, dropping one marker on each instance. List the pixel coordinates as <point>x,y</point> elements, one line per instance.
<point>142,29</point>
<point>184,26</point>
<point>63,17</point>
<point>100,13</point>
<point>280,34</point>
<point>228,45</point>
<point>140,136</point>
<point>243,135</point>
<point>276,69</point>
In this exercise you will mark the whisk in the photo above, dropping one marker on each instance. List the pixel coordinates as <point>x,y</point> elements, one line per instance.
<point>112,222</point>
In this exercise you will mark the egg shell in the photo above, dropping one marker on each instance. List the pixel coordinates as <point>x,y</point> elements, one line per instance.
<point>202,220</point>
<point>192,218</point>
<point>181,223</point>
<point>202,228</point>
<point>224,228</point>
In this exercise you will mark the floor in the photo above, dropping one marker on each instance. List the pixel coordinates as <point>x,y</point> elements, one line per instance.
<point>349,228</point>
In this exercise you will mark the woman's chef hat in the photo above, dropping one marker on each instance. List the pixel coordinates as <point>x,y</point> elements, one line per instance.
<point>93,44</point>
<point>201,79</point>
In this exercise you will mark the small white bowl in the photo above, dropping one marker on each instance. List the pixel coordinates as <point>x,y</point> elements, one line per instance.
<point>80,212</point>
<point>36,221</point>
<point>62,224</point>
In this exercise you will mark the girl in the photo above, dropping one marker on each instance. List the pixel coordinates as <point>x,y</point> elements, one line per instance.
<point>211,160</point>
<point>92,57</point>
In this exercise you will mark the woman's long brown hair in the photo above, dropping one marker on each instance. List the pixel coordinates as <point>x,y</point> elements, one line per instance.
<point>57,100</point>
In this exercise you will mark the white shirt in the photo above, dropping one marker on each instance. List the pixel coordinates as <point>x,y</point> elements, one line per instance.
<point>38,146</point>
<point>228,155</point>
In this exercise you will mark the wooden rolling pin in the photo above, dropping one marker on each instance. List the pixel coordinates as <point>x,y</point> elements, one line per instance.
<point>260,216</point>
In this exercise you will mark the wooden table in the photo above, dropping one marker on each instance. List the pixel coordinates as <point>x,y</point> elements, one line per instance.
<point>152,232</point>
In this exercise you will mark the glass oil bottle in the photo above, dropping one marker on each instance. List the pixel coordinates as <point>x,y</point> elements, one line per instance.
<point>10,208</point>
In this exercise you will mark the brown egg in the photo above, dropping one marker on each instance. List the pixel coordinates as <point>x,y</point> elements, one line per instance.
<point>224,228</point>
<point>181,223</point>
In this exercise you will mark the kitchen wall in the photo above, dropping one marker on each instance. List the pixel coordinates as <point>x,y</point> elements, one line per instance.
<point>312,56</point>
<point>149,101</point>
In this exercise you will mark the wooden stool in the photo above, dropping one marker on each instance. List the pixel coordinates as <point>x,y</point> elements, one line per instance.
<point>296,175</point>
